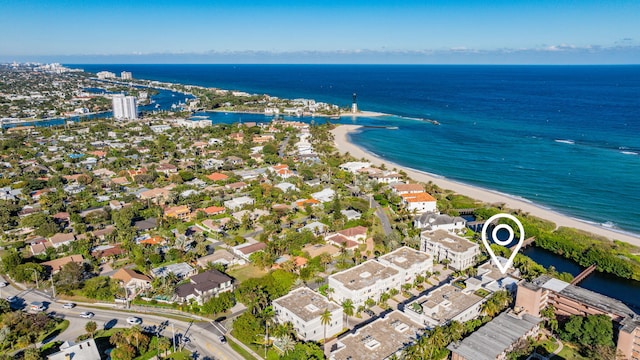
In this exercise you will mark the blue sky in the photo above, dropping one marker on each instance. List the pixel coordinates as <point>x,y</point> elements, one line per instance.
<point>447,31</point>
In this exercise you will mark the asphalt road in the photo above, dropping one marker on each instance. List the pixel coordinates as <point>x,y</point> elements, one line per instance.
<point>204,337</point>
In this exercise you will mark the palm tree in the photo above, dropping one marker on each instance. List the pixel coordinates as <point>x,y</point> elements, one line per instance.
<point>164,345</point>
<point>267,315</point>
<point>325,319</point>
<point>91,327</point>
<point>287,344</point>
<point>348,308</point>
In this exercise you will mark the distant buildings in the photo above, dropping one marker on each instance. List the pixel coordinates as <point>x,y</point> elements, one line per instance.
<point>124,107</point>
<point>458,251</point>
<point>126,75</point>
<point>106,75</point>
<point>302,308</point>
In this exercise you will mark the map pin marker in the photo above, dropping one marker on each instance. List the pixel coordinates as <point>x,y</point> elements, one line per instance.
<point>494,235</point>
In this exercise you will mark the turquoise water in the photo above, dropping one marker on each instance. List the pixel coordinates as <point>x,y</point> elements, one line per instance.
<point>564,137</point>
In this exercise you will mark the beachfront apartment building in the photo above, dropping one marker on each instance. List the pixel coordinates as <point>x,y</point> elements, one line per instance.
<point>303,308</point>
<point>459,252</point>
<point>124,107</point>
<point>409,262</point>
<point>371,278</point>
<point>420,202</point>
<point>367,280</point>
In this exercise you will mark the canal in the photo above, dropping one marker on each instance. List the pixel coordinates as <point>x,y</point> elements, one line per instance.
<point>627,291</point>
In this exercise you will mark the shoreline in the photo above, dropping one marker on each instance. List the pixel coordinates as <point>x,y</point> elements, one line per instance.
<point>344,145</point>
<point>346,115</point>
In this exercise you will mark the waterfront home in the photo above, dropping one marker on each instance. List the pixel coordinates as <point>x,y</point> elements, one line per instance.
<point>431,221</point>
<point>354,166</point>
<point>419,202</point>
<point>303,308</point>
<point>407,188</point>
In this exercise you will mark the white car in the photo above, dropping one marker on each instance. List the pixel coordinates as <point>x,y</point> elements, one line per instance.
<point>87,315</point>
<point>3,284</point>
<point>12,298</point>
<point>133,320</point>
<point>69,305</point>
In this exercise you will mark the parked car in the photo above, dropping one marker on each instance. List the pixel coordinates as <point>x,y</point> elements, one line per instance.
<point>3,284</point>
<point>133,320</point>
<point>87,315</point>
<point>69,305</point>
<point>12,298</point>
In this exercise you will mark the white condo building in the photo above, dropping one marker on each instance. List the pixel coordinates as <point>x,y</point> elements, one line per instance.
<point>124,107</point>
<point>126,75</point>
<point>442,245</point>
<point>371,278</point>
<point>303,307</point>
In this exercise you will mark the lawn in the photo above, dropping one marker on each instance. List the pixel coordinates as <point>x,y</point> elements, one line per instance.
<point>245,272</point>
<point>568,353</point>
<point>240,350</point>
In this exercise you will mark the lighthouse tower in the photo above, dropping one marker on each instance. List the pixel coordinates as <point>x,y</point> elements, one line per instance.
<point>354,105</point>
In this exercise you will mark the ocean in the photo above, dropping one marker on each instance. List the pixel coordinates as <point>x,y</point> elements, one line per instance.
<point>564,137</point>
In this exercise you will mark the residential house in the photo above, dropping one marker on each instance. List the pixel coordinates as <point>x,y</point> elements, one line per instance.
<point>325,195</point>
<point>238,203</point>
<point>132,280</point>
<point>216,176</point>
<point>431,221</point>
<point>419,202</point>
<point>410,262</point>
<point>61,239</point>
<point>245,250</point>
<point>181,212</point>
<point>357,233</point>
<point>54,266</point>
<point>303,308</point>
<point>203,286</point>
<point>221,256</point>
<point>401,189</point>
<point>236,186</point>
<point>212,210</point>
<point>84,350</point>
<point>167,169</point>
<point>354,166</point>
<point>181,270</point>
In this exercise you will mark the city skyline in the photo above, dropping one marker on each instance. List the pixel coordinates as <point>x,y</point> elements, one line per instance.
<point>285,31</point>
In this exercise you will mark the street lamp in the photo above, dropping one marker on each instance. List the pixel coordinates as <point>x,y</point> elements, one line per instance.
<point>35,272</point>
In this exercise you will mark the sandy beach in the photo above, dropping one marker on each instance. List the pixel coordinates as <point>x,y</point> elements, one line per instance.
<point>488,196</point>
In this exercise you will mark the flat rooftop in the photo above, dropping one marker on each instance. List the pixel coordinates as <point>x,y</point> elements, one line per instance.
<point>495,337</point>
<point>448,240</point>
<point>405,257</point>
<point>379,339</point>
<point>450,302</point>
<point>582,295</point>
<point>305,303</point>
<point>364,275</point>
